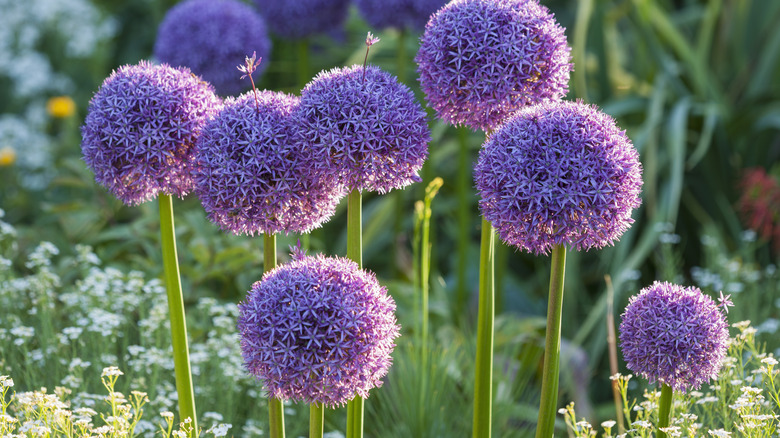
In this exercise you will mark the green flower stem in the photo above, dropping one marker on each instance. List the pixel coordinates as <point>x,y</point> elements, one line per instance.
<point>483,382</point>
<point>275,408</point>
<point>181,353</point>
<point>552,346</point>
<point>355,253</point>
<point>664,410</point>
<point>462,190</point>
<point>316,420</point>
<point>303,62</point>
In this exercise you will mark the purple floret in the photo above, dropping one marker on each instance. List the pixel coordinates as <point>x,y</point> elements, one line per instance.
<point>369,133</point>
<point>250,178</point>
<point>675,335</point>
<point>210,36</point>
<point>559,173</point>
<point>141,128</point>
<point>318,330</point>
<point>481,60</point>
<point>297,19</point>
<point>398,13</point>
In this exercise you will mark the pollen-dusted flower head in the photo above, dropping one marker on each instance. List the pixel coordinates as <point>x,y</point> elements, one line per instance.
<point>141,127</point>
<point>296,19</point>
<point>207,35</point>
<point>398,13</point>
<point>559,173</point>
<point>318,330</point>
<point>675,335</point>
<point>250,178</point>
<point>364,127</point>
<point>481,60</point>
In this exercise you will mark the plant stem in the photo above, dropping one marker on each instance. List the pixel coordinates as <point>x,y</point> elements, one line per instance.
<point>181,353</point>
<point>463,183</point>
<point>275,408</point>
<point>552,346</point>
<point>355,253</point>
<point>316,420</point>
<point>483,382</point>
<point>303,62</point>
<point>664,410</point>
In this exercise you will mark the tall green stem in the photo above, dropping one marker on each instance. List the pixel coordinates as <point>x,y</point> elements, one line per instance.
<point>483,382</point>
<point>303,62</point>
<point>355,253</point>
<point>664,410</point>
<point>275,408</point>
<point>464,182</point>
<point>316,420</point>
<point>181,353</point>
<point>552,346</point>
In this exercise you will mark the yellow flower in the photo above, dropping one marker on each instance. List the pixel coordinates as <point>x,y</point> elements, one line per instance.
<point>61,107</point>
<point>7,156</point>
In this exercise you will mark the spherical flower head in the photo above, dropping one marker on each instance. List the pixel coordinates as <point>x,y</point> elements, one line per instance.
<point>318,330</point>
<point>364,127</point>
<point>141,127</point>
<point>675,335</point>
<point>250,178</point>
<point>297,19</point>
<point>209,37</point>
<point>559,173</point>
<point>481,60</point>
<point>399,14</point>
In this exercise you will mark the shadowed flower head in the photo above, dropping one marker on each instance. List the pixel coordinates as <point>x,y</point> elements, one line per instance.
<point>559,173</point>
<point>398,13</point>
<point>209,35</point>
<point>296,19</point>
<point>480,60</point>
<point>141,127</point>
<point>675,335</point>
<point>318,330</point>
<point>364,127</point>
<point>250,178</point>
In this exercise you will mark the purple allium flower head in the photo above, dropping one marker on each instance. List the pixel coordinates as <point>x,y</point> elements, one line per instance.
<point>250,178</point>
<point>364,127</point>
<point>141,128</point>
<point>481,60</point>
<point>318,330</point>
<point>675,335</point>
<point>559,173</point>
<point>208,36</point>
<point>296,19</point>
<point>398,13</point>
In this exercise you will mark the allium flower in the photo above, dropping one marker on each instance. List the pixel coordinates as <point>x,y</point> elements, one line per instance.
<point>364,127</point>
<point>481,60</point>
<point>675,335</point>
<point>398,13</point>
<point>208,35</point>
<point>318,330</point>
<point>296,19</point>
<point>250,178</point>
<point>559,173</point>
<point>141,127</point>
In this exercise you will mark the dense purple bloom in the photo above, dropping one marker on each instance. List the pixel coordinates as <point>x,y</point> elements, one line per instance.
<point>296,19</point>
<point>398,13</point>
<point>318,330</point>
<point>675,335</point>
<point>141,127</point>
<point>559,173</point>
<point>481,60</point>
<point>208,36</point>
<point>364,127</point>
<point>250,178</point>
